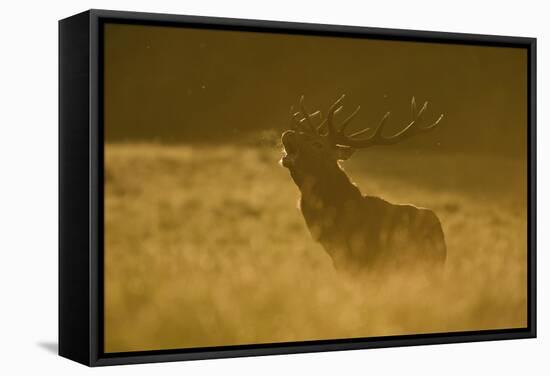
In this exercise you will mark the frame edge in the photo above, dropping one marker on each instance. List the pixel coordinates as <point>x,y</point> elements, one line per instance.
<point>74,250</point>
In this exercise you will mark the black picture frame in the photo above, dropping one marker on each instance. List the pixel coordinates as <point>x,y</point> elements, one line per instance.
<point>81,187</point>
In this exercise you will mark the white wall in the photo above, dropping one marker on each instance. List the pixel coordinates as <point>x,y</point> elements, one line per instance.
<point>28,163</point>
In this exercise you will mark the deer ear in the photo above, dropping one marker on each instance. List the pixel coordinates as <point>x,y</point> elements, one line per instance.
<point>344,152</point>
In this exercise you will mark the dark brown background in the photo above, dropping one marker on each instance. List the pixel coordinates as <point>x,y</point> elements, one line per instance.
<point>177,85</point>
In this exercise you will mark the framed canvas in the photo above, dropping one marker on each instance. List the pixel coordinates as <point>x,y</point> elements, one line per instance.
<point>239,187</point>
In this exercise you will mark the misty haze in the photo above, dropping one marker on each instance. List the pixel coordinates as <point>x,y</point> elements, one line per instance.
<point>205,242</point>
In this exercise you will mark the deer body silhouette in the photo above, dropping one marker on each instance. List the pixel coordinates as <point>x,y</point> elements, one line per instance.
<point>360,233</point>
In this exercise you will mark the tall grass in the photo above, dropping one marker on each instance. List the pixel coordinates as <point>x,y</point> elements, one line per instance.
<point>205,246</point>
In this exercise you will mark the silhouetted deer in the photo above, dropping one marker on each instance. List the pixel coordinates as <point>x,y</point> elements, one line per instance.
<point>359,232</point>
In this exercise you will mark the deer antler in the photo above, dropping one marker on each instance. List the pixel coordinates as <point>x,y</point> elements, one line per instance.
<point>305,121</point>
<point>339,137</point>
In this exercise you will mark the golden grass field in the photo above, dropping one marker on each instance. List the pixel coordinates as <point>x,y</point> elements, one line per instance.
<point>205,246</point>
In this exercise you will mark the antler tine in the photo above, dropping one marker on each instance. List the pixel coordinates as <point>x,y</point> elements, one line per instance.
<point>435,123</point>
<point>306,115</point>
<point>424,107</point>
<point>296,122</point>
<point>333,109</point>
<point>317,113</point>
<point>292,116</point>
<point>338,134</point>
<point>377,138</point>
<point>412,128</point>
<point>413,108</point>
<point>346,122</point>
<point>379,127</point>
<point>302,119</point>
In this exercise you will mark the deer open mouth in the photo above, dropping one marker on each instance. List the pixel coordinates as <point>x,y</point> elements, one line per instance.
<point>290,151</point>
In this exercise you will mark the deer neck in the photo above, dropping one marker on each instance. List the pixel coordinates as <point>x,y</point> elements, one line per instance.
<point>329,190</point>
<point>323,202</point>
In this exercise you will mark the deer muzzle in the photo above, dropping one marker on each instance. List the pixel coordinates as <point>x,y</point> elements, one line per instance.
<point>290,152</point>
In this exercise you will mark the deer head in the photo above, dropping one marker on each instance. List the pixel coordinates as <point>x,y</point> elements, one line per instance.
<point>314,143</point>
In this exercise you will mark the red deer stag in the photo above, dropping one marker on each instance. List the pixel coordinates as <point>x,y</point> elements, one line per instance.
<point>360,233</point>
